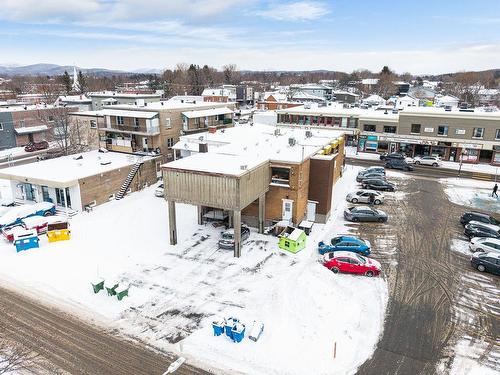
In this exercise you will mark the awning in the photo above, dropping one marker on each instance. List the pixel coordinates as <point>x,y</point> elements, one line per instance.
<point>31,129</point>
<point>136,114</point>
<point>208,112</point>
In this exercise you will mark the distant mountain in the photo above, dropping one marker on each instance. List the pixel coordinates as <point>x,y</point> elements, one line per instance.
<point>53,69</point>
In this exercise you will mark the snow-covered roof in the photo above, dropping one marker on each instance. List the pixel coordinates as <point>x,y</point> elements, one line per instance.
<point>170,105</point>
<point>107,94</point>
<point>301,95</point>
<point>294,236</point>
<point>88,113</point>
<point>74,99</point>
<point>67,170</point>
<point>369,81</point>
<point>278,96</point>
<point>217,92</point>
<point>376,99</point>
<point>343,92</point>
<point>207,112</point>
<point>31,129</point>
<point>25,107</point>
<point>122,113</point>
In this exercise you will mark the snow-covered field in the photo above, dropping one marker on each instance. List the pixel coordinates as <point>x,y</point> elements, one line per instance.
<point>473,193</point>
<point>177,291</point>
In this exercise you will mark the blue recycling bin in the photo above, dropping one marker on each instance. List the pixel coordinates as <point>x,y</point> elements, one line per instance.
<point>238,332</point>
<point>228,326</point>
<point>26,240</point>
<point>218,328</point>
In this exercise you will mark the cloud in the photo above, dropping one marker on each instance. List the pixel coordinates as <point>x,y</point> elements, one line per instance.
<point>296,11</point>
<point>47,11</point>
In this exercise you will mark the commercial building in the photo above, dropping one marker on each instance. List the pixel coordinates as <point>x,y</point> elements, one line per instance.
<point>81,181</point>
<point>256,174</point>
<point>470,135</point>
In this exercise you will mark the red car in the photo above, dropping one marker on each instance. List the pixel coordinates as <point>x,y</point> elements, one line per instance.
<point>35,146</point>
<point>348,262</point>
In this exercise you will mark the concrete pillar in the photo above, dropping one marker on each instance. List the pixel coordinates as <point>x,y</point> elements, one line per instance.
<point>237,233</point>
<point>172,225</point>
<point>262,212</point>
<point>230,221</point>
<point>200,215</point>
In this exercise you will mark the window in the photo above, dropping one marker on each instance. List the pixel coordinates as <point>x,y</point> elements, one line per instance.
<point>119,120</point>
<point>93,124</point>
<point>51,118</point>
<point>497,135</point>
<point>167,123</point>
<point>1,127</point>
<point>369,128</point>
<point>478,133</point>
<point>415,128</point>
<point>389,129</point>
<point>170,142</point>
<point>443,130</point>
<point>280,176</point>
<point>21,123</point>
<point>136,122</point>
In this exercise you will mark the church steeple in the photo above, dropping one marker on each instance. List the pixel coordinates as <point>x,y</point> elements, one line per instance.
<point>76,84</point>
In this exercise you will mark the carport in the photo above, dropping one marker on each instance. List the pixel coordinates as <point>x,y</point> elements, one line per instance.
<point>226,182</point>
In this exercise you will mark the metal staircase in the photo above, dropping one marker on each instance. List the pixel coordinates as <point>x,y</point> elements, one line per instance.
<point>126,184</point>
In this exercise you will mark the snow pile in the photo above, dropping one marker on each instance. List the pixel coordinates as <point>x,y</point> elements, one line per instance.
<point>177,291</point>
<point>468,359</point>
<point>473,193</point>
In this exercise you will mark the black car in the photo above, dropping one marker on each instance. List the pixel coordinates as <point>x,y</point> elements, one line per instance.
<point>394,155</point>
<point>489,262</point>
<point>377,184</point>
<point>398,164</point>
<point>370,176</point>
<point>477,229</point>
<point>478,216</point>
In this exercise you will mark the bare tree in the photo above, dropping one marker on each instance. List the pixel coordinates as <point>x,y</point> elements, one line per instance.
<point>230,74</point>
<point>385,86</point>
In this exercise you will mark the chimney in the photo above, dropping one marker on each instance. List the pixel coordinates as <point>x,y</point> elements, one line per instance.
<point>203,147</point>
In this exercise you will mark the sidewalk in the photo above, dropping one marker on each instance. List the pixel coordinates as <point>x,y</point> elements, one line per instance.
<point>350,152</point>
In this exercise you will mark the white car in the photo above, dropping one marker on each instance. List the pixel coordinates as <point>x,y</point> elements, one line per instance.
<point>362,196</point>
<point>160,191</point>
<point>484,244</point>
<point>434,161</point>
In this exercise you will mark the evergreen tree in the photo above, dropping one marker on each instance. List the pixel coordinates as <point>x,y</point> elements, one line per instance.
<point>82,82</point>
<point>194,80</point>
<point>66,80</point>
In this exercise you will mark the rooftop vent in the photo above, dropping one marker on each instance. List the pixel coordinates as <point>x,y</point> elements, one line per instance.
<point>291,141</point>
<point>244,167</point>
<point>309,134</point>
<point>277,131</point>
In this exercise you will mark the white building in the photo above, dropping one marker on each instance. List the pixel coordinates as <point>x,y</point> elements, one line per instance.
<point>446,101</point>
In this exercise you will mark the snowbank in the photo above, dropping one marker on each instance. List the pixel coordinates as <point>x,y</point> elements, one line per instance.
<point>473,193</point>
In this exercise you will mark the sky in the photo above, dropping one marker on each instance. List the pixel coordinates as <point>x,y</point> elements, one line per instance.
<point>421,37</point>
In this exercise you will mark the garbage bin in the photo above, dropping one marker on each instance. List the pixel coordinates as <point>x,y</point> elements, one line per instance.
<point>238,332</point>
<point>218,326</point>
<point>230,323</point>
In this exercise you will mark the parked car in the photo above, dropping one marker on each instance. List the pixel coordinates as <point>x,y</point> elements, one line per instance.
<point>398,164</point>
<point>477,229</point>
<point>227,238</point>
<point>486,262</point>
<point>363,196</point>
<point>478,216</point>
<point>348,262</point>
<point>345,243</point>
<point>371,175</point>
<point>15,215</point>
<point>373,169</point>
<point>38,223</point>
<point>36,146</point>
<point>484,244</point>
<point>433,161</point>
<point>160,191</point>
<point>394,155</point>
<point>377,184</point>
<point>364,213</point>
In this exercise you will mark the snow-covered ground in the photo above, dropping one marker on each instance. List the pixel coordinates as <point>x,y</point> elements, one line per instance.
<point>467,359</point>
<point>473,193</point>
<point>479,168</point>
<point>177,291</point>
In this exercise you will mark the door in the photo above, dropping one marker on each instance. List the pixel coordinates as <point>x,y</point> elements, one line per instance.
<point>311,211</point>
<point>45,194</point>
<point>144,144</point>
<point>28,190</point>
<point>60,197</point>
<point>30,138</point>
<point>287,210</point>
<point>393,148</point>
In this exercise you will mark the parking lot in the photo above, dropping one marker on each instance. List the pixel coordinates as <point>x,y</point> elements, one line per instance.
<point>443,316</point>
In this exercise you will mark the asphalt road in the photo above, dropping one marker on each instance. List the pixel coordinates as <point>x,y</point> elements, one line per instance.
<point>68,345</point>
<point>428,171</point>
<point>435,297</point>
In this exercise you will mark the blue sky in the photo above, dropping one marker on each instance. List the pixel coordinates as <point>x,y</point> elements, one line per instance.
<point>417,36</point>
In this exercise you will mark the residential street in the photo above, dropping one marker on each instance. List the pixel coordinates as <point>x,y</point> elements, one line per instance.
<point>75,347</point>
<point>435,297</point>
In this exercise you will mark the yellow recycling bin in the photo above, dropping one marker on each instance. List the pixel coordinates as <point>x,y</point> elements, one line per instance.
<point>58,231</point>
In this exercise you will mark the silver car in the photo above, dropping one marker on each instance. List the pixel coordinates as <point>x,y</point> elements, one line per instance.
<point>364,213</point>
<point>363,196</point>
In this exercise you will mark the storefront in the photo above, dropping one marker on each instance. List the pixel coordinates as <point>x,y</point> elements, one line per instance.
<point>496,155</point>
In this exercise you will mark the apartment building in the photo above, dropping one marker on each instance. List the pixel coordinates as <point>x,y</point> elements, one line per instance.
<point>256,174</point>
<point>470,135</point>
<point>155,127</point>
<point>107,98</point>
<point>20,125</point>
